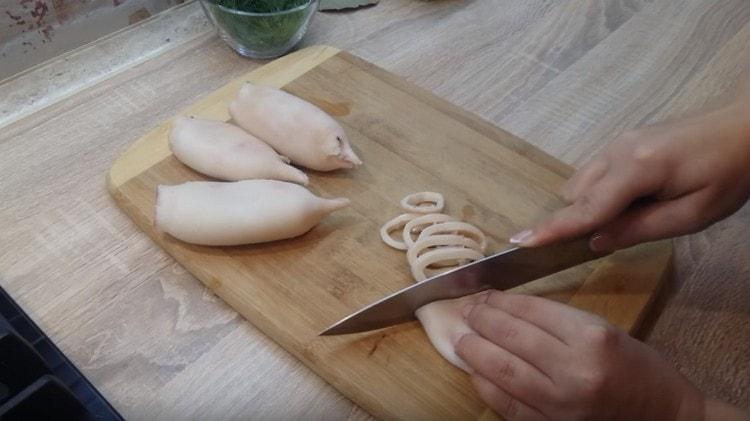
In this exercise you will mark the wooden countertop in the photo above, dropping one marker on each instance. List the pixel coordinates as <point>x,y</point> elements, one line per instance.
<point>565,76</point>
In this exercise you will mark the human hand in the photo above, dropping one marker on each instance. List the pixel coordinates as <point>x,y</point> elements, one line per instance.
<point>655,183</point>
<point>535,359</point>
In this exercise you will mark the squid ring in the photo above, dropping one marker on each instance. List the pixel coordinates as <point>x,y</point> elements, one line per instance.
<point>456,227</point>
<point>423,202</point>
<point>440,254</point>
<point>417,224</point>
<point>393,225</point>
<point>438,241</point>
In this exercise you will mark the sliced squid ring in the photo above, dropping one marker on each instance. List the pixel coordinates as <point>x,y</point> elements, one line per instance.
<point>441,254</point>
<point>418,224</point>
<point>415,202</point>
<point>395,224</point>
<point>441,240</point>
<point>456,227</point>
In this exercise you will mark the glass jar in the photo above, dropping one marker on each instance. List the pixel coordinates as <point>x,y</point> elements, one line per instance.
<point>260,35</point>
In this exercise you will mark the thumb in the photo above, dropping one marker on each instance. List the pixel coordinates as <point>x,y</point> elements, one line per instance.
<point>589,212</point>
<point>602,203</point>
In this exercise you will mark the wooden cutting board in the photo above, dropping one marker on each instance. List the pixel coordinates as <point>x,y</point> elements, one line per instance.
<point>410,141</point>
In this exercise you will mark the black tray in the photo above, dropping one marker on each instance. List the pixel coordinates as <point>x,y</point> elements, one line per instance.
<point>36,380</point>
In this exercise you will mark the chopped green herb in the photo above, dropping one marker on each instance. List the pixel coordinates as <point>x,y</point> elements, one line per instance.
<point>261,6</point>
<point>262,33</point>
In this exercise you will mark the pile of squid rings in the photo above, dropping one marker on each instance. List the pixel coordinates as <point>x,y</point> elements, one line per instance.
<point>434,241</point>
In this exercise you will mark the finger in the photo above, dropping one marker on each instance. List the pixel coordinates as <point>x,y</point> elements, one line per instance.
<point>601,203</point>
<point>584,178</point>
<point>478,298</point>
<point>559,320</point>
<point>514,376</point>
<point>519,337</point>
<point>653,222</point>
<point>504,404</point>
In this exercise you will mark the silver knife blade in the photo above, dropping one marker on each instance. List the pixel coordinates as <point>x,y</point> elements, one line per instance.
<point>503,270</point>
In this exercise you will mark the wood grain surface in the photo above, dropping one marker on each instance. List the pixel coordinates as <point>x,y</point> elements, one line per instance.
<point>410,141</point>
<point>566,76</point>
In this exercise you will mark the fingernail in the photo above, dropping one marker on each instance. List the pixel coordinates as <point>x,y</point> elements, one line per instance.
<point>460,339</point>
<point>599,242</point>
<point>458,347</point>
<point>483,296</point>
<point>467,310</point>
<point>522,237</point>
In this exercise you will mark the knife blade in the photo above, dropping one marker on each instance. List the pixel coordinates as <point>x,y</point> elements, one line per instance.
<point>503,270</point>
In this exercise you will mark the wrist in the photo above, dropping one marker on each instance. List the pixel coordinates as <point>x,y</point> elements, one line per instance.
<point>739,111</point>
<point>692,405</point>
<point>735,118</point>
<point>721,411</point>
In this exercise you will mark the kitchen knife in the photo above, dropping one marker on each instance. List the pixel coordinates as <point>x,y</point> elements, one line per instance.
<point>503,270</point>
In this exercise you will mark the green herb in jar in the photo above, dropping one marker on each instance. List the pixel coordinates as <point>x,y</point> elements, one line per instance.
<point>261,25</point>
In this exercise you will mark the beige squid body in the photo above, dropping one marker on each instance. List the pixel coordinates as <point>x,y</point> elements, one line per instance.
<point>293,127</point>
<point>242,212</point>
<point>444,324</point>
<point>224,151</point>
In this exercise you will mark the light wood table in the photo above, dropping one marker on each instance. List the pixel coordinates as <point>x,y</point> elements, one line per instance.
<point>566,76</point>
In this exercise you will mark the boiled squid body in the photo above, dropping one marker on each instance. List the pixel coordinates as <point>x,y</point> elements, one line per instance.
<point>227,152</point>
<point>444,324</point>
<point>241,212</point>
<point>293,127</point>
